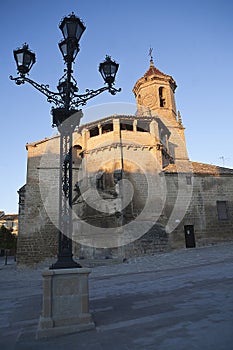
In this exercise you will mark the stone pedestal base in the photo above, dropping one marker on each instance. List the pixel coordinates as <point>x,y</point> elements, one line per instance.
<point>65,302</point>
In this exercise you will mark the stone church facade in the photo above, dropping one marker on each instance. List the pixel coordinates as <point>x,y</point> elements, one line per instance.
<point>135,190</point>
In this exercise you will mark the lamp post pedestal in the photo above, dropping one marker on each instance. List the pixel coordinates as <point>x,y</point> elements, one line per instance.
<point>65,303</point>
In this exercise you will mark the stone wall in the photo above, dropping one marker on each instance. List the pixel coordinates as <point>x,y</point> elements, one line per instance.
<point>38,204</point>
<point>202,213</point>
<point>38,246</point>
<point>207,191</point>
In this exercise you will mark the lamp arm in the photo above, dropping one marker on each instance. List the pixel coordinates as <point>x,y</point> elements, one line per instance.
<point>82,99</point>
<point>113,90</point>
<point>52,97</point>
<point>55,97</point>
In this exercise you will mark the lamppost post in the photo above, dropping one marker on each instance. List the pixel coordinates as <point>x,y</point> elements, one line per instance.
<point>66,117</point>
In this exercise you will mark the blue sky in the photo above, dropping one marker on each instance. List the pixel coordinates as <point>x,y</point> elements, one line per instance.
<point>191,40</point>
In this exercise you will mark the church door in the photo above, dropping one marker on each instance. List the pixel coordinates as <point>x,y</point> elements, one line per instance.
<point>189,236</point>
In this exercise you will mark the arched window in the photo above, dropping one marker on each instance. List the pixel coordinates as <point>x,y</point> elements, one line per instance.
<point>77,155</point>
<point>100,180</point>
<point>77,148</point>
<point>162,100</point>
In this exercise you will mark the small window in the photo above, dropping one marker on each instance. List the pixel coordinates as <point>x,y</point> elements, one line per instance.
<point>189,180</point>
<point>162,100</point>
<point>143,126</point>
<point>94,131</point>
<point>127,125</point>
<point>222,210</point>
<point>108,127</point>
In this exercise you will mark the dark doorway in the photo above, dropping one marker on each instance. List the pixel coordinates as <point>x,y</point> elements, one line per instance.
<point>189,236</point>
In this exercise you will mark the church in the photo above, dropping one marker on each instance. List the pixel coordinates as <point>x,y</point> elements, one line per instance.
<point>135,190</point>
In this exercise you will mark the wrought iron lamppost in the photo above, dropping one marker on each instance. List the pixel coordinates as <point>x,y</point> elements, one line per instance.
<point>66,117</point>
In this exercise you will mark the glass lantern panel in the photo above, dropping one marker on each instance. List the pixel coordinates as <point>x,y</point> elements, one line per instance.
<point>107,70</point>
<point>113,69</point>
<point>64,31</point>
<point>63,48</point>
<point>79,31</point>
<point>27,59</point>
<point>71,29</point>
<point>20,58</point>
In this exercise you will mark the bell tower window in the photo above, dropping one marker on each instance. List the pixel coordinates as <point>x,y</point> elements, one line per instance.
<point>162,100</point>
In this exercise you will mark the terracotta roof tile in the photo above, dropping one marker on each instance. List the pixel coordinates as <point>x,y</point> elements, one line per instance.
<point>10,217</point>
<point>198,168</point>
<point>202,168</point>
<point>154,71</point>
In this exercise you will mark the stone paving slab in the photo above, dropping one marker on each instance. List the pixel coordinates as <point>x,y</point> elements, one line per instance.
<point>173,301</point>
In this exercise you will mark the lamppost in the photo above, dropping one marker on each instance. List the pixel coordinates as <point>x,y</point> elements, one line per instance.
<point>66,118</point>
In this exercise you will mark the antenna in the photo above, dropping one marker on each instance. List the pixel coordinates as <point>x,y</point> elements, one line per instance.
<point>223,159</point>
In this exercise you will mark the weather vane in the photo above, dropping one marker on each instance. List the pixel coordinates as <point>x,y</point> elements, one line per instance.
<point>150,53</point>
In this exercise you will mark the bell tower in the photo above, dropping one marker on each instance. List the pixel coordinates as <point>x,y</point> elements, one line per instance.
<point>155,90</point>
<point>155,96</point>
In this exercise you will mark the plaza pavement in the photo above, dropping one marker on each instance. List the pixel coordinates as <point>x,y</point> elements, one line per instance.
<point>182,300</point>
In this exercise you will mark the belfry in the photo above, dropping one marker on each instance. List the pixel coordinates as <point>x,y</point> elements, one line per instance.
<point>155,94</point>
<point>155,91</point>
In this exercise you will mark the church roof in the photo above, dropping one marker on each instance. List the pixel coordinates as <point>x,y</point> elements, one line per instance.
<point>154,71</point>
<point>200,169</point>
<point>35,143</point>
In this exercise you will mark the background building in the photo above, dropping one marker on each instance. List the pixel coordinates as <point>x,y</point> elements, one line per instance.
<point>10,221</point>
<point>135,191</point>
